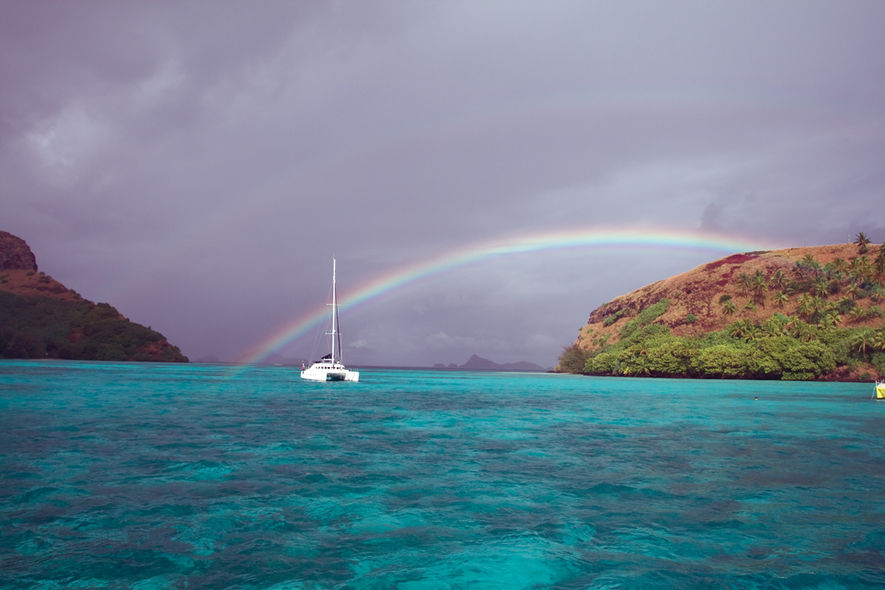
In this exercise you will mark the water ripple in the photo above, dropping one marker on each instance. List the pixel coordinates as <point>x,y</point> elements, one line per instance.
<point>157,476</point>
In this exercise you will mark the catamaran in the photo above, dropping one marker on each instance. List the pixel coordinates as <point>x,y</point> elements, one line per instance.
<point>330,367</point>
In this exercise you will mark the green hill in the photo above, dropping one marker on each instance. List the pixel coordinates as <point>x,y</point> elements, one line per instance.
<point>41,318</point>
<point>799,313</point>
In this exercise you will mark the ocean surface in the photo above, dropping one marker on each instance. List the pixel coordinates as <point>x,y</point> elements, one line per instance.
<point>207,476</point>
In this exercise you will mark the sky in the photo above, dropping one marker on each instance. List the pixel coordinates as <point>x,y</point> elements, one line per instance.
<point>198,164</point>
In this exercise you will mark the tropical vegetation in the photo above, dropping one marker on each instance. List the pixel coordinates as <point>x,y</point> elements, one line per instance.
<point>47,327</point>
<point>811,321</point>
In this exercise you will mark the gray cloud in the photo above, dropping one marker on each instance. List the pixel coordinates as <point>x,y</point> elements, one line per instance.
<point>197,165</point>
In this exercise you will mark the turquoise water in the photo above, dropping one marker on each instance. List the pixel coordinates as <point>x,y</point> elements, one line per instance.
<point>198,476</point>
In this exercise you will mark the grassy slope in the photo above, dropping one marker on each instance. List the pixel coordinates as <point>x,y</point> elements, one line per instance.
<point>696,313</point>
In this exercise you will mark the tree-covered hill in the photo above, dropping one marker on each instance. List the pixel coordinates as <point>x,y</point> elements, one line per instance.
<point>41,318</point>
<point>800,313</point>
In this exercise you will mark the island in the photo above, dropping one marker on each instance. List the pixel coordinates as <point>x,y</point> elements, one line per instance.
<point>793,314</point>
<point>41,318</point>
<point>478,363</point>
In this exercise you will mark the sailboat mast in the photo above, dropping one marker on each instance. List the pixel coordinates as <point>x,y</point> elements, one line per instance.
<point>334,310</point>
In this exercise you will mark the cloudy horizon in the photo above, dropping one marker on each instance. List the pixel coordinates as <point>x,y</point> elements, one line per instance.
<point>198,164</point>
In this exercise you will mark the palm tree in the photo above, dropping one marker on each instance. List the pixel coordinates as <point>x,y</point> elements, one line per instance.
<point>728,307</point>
<point>758,284</point>
<point>799,269</point>
<point>862,242</point>
<point>878,340</point>
<point>840,266</point>
<point>806,306</point>
<point>742,329</point>
<point>821,306</point>
<point>802,330</point>
<point>832,318</point>
<point>811,264</point>
<point>776,325</point>
<point>833,286</point>
<point>880,261</point>
<point>780,298</point>
<point>745,281</point>
<point>821,287</point>
<point>861,269</point>
<point>857,314</point>
<point>779,279</point>
<point>829,270</point>
<point>862,342</point>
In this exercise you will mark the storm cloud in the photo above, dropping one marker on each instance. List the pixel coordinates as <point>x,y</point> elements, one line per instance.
<point>197,164</point>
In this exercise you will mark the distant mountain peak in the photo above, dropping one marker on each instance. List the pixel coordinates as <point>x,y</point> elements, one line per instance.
<point>477,363</point>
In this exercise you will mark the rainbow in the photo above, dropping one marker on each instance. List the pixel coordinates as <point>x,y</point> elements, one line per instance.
<point>579,238</point>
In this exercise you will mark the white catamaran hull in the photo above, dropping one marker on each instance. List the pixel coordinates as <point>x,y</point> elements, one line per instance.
<point>315,373</point>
